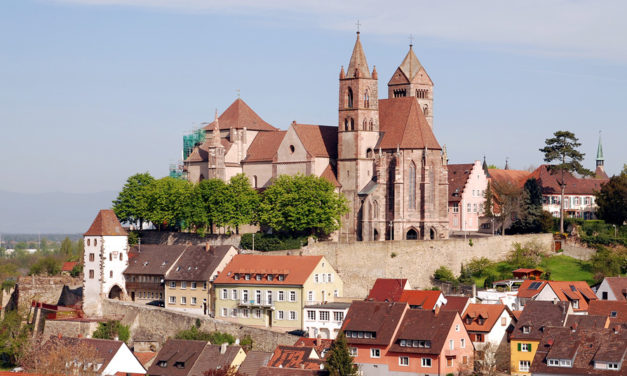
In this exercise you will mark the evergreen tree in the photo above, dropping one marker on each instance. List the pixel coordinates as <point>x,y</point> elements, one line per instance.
<point>340,362</point>
<point>489,202</point>
<point>562,148</point>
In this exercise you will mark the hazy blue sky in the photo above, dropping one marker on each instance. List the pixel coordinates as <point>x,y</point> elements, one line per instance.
<point>92,91</point>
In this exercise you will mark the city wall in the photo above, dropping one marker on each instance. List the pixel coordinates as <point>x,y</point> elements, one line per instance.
<point>40,288</point>
<point>359,264</point>
<point>170,238</point>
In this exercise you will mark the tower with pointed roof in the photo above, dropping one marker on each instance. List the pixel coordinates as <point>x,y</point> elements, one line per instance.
<point>411,80</point>
<point>600,161</point>
<point>105,258</point>
<point>216,168</point>
<point>358,130</point>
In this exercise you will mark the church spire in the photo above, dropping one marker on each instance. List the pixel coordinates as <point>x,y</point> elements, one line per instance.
<point>216,142</point>
<point>600,159</point>
<point>358,66</point>
<point>410,65</point>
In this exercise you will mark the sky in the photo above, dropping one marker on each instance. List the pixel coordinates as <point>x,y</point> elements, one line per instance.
<point>93,91</point>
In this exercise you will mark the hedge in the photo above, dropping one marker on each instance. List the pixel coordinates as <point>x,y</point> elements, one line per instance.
<point>271,242</point>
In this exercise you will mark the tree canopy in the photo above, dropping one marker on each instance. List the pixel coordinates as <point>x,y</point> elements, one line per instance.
<point>611,200</point>
<point>242,202</point>
<point>130,205</point>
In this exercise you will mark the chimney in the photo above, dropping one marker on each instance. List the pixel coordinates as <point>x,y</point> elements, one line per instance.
<point>223,348</point>
<point>317,341</point>
<point>474,291</point>
<point>207,247</point>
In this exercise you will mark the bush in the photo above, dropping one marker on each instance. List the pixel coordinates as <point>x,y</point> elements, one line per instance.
<point>444,274</point>
<point>272,242</point>
<point>112,329</point>
<point>47,265</point>
<point>133,238</point>
<point>609,263</point>
<point>216,337</point>
<point>77,270</point>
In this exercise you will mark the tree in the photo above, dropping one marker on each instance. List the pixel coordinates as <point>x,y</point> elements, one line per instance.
<point>339,361</point>
<point>80,249</point>
<point>611,200</point>
<point>112,329</point>
<point>60,356</point>
<point>166,201</point>
<point>305,204</point>
<point>214,199</point>
<point>562,148</point>
<point>530,215</point>
<point>130,205</point>
<point>506,201</point>
<point>13,338</point>
<point>243,202</point>
<point>66,247</point>
<point>489,202</point>
<point>48,265</point>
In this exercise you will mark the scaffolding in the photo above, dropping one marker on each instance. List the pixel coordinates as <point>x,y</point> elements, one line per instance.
<point>176,171</point>
<point>191,140</point>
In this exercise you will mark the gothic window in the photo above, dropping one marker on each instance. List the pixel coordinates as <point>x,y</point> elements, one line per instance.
<point>421,93</point>
<point>412,186</point>
<point>366,100</point>
<point>412,235</point>
<point>345,124</point>
<point>369,153</point>
<point>371,128</point>
<point>365,126</point>
<point>398,93</point>
<point>352,124</point>
<point>376,210</point>
<point>426,110</point>
<point>350,98</point>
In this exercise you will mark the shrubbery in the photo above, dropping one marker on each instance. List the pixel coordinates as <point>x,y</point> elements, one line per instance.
<point>271,242</point>
<point>216,338</point>
<point>112,329</point>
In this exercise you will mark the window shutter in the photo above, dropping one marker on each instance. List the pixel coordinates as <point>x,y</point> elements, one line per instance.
<point>529,344</point>
<point>519,347</point>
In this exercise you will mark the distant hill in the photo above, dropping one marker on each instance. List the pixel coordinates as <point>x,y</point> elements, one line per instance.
<point>55,212</point>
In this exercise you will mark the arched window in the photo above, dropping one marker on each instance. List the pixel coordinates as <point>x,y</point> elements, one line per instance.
<point>366,99</point>
<point>412,235</point>
<point>345,124</point>
<point>350,98</point>
<point>369,153</point>
<point>432,234</point>
<point>376,210</point>
<point>352,124</point>
<point>365,125</point>
<point>371,128</point>
<point>254,181</point>
<point>426,110</point>
<point>412,185</point>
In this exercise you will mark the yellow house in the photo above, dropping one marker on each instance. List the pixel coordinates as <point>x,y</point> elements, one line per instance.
<point>529,330</point>
<point>272,291</point>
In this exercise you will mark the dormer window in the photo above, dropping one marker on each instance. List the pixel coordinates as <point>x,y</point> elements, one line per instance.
<point>270,277</point>
<point>258,277</point>
<point>162,364</point>
<point>236,277</point>
<point>613,314</point>
<point>179,365</point>
<point>247,277</point>
<point>576,304</point>
<point>526,329</point>
<point>480,320</point>
<point>281,277</point>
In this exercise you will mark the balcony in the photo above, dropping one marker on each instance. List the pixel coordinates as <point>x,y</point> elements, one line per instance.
<point>151,286</point>
<point>256,303</point>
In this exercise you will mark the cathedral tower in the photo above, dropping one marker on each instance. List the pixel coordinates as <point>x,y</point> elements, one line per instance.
<point>358,130</point>
<point>411,80</point>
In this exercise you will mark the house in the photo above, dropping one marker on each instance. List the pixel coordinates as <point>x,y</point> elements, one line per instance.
<point>272,371</point>
<point>423,299</point>
<point>322,346</point>
<point>388,289</point>
<point>386,338</point>
<point>528,331</point>
<point>487,324</point>
<point>613,288</point>
<point>581,351</point>
<point>456,303</point>
<point>615,310</point>
<point>68,266</point>
<point>254,361</point>
<point>296,357</point>
<point>492,296</point>
<point>188,282</point>
<point>180,357</point>
<point>578,293</point>
<point>324,319</point>
<point>467,184</point>
<point>527,291</point>
<point>525,273</point>
<point>272,291</point>
<point>503,180</point>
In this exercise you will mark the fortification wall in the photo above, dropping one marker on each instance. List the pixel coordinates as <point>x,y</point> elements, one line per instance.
<point>359,264</point>
<point>69,328</point>
<point>170,238</point>
<point>154,324</point>
<point>41,289</point>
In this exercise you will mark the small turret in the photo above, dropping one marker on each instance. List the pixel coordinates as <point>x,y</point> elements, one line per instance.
<point>342,74</point>
<point>375,75</point>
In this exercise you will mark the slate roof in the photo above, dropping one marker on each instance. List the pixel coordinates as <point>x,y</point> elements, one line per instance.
<point>455,303</point>
<point>618,286</point>
<point>490,313</point>
<point>457,177</point>
<point>197,264</point>
<point>423,299</point>
<point>238,116</point>
<point>387,289</point>
<point>614,309</point>
<point>106,224</point>
<point>318,140</point>
<point>403,124</point>
<point>296,269</point>
<point>378,317</point>
<point>295,357</point>
<point>174,351</point>
<point>253,362</point>
<point>577,186</point>
<point>424,325</point>
<point>153,259</point>
<point>538,315</point>
<point>264,146</point>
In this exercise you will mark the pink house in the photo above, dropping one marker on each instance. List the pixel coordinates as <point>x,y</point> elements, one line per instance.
<point>466,187</point>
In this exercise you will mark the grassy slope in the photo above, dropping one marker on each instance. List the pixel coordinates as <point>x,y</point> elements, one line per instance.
<point>565,268</point>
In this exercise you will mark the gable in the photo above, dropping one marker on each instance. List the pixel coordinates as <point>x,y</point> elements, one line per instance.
<point>291,148</point>
<point>398,78</point>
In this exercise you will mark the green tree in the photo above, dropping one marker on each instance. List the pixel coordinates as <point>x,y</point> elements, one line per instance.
<point>166,201</point>
<point>243,202</point>
<point>66,247</point>
<point>562,149</point>
<point>611,200</point>
<point>339,361</point>
<point>80,249</point>
<point>302,204</point>
<point>14,338</point>
<point>130,205</point>
<point>530,215</point>
<point>444,274</point>
<point>112,329</point>
<point>489,202</point>
<point>47,265</point>
<point>214,197</point>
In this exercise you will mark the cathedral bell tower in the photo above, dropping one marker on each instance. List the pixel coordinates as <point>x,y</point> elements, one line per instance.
<point>358,131</point>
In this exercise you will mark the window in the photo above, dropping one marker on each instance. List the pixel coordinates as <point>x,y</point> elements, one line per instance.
<point>225,294</point>
<point>245,313</point>
<point>281,296</point>
<point>553,362</point>
<point>236,277</point>
<point>456,207</point>
<point>311,315</point>
<point>88,242</point>
<point>245,295</point>
<point>269,297</point>
<point>172,299</point>
<point>450,362</point>
<point>353,351</point>
<point>257,313</point>
<point>292,315</point>
<point>349,98</point>
<point>426,362</point>
<point>523,365</point>
<point>336,293</point>
<point>474,208</point>
<point>91,273</point>
<point>233,294</point>
<point>270,277</point>
<point>92,257</point>
<point>451,344</point>
<point>292,296</point>
<point>375,353</point>
<point>172,284</point>
<point>612,365</point>
<point>183,285</point>
<point>565,363</point>
<point>234,312</point>
<point>225,312</point>
<point>110,256</point>
<point>576,304</point>
<point>183,300</point>
<point>247,277</point>
<point>194,285</point>
<point>412,185</point>
<point>338,316</point>
<point>457,328</point>
<point>468,208</point>
<point>526,329</point>
<point>324,315</point>
<point>310,296</point>
<point>366,99</point>
<point>280,315</point>
<point>316,278</point>
<point>403,361</point>
<point>193,300</point>
<point>120,256</point>
<point>258,277</point>
<point>462,343</point>
<point>281,277</point>
<point>110,273</point>
<point>503,321</point>
<point>525,347</point>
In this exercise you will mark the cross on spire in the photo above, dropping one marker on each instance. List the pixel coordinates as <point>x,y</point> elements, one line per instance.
<point>358,25</point>
<point>411,40</point>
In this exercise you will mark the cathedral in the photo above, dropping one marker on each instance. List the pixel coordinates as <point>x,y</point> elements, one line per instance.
<point>383,155</point>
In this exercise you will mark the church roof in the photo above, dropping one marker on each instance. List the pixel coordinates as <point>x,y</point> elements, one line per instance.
<point>106,224</point>
<point>410,65</point>
<point>358,62</point>
<point>201,152</point>
<point>239,115</point>
<point>330,175</point>
<point>404,125</point>
<point>264,146</point>
<point>457,177</point>
<point>318,140</point>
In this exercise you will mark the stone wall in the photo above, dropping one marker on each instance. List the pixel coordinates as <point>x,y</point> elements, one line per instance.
<point>41,289</point>
<point>170,238</point>
<point>577,250</point>
<point>154,324</point>
<point>359,264</point>
<point>70,328</point>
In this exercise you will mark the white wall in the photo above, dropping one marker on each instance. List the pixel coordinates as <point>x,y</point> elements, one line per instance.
<point>546,294</point>
<point>605,287</point>
<point>499,331</point>
<point>125,362</point>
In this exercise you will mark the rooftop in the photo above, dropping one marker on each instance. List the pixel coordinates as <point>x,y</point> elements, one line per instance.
<point>284,270</point>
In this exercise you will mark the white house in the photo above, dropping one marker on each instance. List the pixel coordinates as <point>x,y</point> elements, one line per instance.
<point>104,260</point>
<point>487,324</point>
<point>578,293</point>
<point>324,319</point>
<point>613,288</point>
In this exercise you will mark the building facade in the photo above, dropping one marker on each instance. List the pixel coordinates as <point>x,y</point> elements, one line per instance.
<point>324,320</point>
<point>467,184</point>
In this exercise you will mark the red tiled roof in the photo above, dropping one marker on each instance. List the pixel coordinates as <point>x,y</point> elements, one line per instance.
<point>264,146</point>
<point>296,269</point>
<point>319,344</point>
<point>455,303</point>
<point>573,290</point>
<point>618,286</point>
<point>379,317</point>
<point>295,357</point>
<point>614,309</point>
<point>578,186</point>
<point>424,325</point>
<point>330,175</point>
<point>68,266</point>
<point>538,315</point>
<point>387,289</point>
<point>424,299</point>
<point>457,177</point>
<point>515,177</point>
<point>525,292</point>
<point>489,313</point>
<point>318,140</point>
<point>404,125</point>
<point>239,115</point>
<point>106,224</point>
<point>273,371</point>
